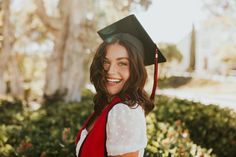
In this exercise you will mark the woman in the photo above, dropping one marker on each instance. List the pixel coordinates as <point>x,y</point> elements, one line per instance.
<point>117,128</point>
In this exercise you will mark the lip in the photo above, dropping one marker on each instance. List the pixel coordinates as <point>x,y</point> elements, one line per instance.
<point>113,80</point>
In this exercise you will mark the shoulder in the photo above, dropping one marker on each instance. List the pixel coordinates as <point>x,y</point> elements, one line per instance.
<point>122,108</point>
<point>126,129</point>
<point>125,115</point>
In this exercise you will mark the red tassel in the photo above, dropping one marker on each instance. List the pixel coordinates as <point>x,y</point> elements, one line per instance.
<point>155,79</point>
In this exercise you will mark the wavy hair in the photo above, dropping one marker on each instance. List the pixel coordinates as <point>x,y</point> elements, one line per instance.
<point>134,86</point>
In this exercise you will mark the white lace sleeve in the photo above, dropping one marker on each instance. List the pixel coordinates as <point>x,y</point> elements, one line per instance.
<point>126,130</point>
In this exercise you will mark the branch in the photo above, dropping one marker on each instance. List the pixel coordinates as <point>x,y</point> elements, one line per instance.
<point>51,23</point>
<point>212,7</point>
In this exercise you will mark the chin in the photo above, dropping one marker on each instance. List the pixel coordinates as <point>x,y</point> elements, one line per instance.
<point>114,92</point>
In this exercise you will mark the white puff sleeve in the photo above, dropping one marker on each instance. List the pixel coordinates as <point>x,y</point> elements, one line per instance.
<point>126,130</point>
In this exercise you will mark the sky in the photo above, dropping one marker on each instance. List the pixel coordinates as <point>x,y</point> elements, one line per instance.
<point>171,20</point>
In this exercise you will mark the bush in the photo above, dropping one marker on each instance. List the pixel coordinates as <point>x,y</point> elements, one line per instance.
<point>173,81</point>
<point>50,131</point>
<point>165,140</point>
<point>209,126</point>
<point>11,112</point>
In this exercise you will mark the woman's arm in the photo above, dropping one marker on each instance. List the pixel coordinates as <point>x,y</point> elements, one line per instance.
<point>132,154</point>
<point>126,131</point>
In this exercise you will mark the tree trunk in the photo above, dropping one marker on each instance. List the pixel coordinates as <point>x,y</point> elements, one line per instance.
<point>55,62</point>
<point>192,59</point>
<point>4,55</point>
<point>64,73</point>
<point>9,68</point>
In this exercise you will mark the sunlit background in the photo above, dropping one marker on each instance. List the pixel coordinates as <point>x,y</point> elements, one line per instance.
<point>197,37</point>
<point>213,23</point>
<point>171,21</point>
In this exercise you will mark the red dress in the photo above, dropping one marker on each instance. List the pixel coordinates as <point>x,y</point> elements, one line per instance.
<point>95,143</point>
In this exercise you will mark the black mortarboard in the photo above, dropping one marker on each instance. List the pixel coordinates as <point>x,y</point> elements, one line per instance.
<point>132,26</point>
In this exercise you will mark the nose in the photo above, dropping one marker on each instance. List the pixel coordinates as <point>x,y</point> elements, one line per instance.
<point>111,69</point>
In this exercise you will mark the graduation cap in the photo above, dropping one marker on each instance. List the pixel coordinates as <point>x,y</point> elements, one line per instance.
<point>130,25</point>
<point>131,30</point>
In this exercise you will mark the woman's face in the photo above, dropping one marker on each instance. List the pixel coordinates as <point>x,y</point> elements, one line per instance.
<point>117,67</point>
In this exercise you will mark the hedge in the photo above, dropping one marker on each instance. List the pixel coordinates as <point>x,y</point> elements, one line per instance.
<point>210,126</point>
<point>50,130</point>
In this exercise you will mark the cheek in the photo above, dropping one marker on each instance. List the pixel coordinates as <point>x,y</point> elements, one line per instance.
<point>127,75</point>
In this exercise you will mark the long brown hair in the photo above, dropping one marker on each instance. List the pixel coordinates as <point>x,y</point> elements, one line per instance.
<point>134,87</point>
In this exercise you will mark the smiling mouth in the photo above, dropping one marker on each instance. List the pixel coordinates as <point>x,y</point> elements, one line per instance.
<point>109,80</point>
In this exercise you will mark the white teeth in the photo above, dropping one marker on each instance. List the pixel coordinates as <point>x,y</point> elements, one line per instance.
<point>114,80</point>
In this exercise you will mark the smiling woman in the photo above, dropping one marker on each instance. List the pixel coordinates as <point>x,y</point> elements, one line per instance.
<point>116,65</point>
<point>117,128</point>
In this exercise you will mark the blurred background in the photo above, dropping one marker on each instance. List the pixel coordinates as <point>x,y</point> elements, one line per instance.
<point>46,48</point>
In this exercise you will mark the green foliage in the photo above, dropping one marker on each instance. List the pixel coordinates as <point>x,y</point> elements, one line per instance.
<point>171,52</point>
<point>227,57</point>
<point>11,112</point>
<point>209,126</point>
<point>51,130</point>
<point>173,81</point>
<point>166,140</point>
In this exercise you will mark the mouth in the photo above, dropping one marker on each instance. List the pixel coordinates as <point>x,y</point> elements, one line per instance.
<point>113,80</point>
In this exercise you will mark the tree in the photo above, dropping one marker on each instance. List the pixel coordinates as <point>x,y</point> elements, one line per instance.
<point>222,13</point>
<point>171,52</point>
<point>64,70</point>
<point>73,37</point>
<point>220,7</point>
<point>174,57</point>
<point>192,51</point>
<point>9,68</point>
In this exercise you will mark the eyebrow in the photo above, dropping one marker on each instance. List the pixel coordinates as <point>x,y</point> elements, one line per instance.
<point>123,58</point>
<point>120,58</point>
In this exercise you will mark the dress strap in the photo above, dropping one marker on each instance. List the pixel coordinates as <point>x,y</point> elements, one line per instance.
<point>85,124</point>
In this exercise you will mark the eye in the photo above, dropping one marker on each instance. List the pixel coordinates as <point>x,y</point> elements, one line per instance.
<point>123,64</point>
<point>106,64</point>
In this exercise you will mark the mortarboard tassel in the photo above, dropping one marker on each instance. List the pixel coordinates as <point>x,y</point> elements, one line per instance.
<point>152,97</point>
